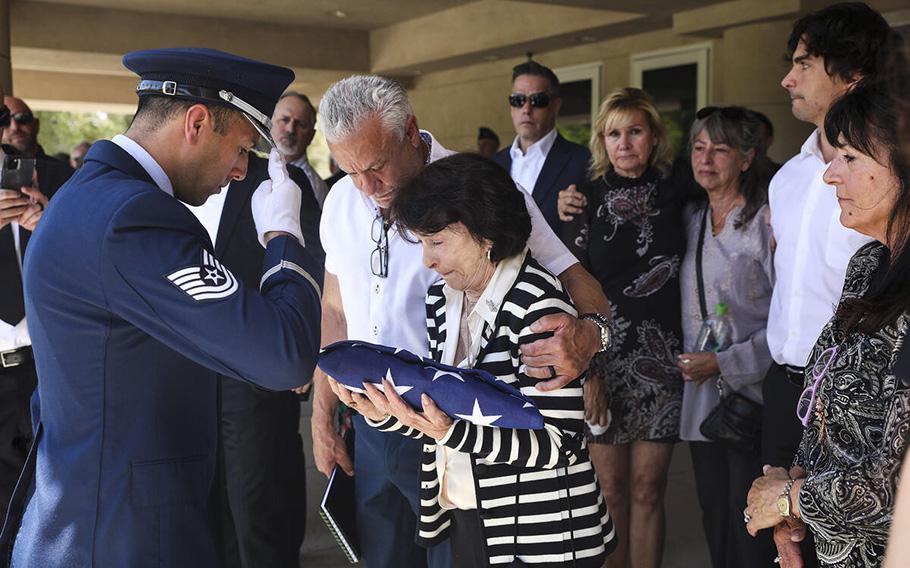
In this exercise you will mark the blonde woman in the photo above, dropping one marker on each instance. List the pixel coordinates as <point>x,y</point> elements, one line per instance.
<point>628,233</point>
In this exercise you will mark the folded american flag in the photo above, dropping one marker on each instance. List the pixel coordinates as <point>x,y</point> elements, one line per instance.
<point>470,394</point>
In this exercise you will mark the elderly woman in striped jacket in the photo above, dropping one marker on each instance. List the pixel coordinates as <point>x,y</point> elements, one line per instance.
<point>503,497</point>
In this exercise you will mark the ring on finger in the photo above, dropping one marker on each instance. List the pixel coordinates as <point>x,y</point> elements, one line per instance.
<point>552,372</point>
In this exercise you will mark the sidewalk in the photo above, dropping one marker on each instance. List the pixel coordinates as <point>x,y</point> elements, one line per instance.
<point>685,546</point>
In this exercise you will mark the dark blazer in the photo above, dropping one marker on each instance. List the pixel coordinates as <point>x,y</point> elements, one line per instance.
<point>237,245</point>
<point>131,320</point>
<point>567,163</point>
<point>265,519</point>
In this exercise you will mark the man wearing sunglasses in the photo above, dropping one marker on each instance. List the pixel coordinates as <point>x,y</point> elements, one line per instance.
<point>540,160</point>
<point>20,211</point>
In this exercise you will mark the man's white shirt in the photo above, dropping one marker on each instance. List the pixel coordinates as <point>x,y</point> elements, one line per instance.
<point>15,336</point>
<point>526,166</point>
<point>391,311</point>
<point>813,250</point>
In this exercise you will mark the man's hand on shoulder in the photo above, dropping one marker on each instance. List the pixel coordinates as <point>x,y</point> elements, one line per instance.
<point>562,358</point>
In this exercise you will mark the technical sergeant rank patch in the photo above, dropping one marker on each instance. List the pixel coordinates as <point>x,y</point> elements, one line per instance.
<point>209,281</point>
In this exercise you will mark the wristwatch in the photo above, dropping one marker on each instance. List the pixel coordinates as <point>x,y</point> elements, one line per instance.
<point>783,501</point>
<point>604,324</point>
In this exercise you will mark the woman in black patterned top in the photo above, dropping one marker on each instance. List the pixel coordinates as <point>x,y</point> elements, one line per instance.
<point>629,235</point>
<point>856,411</point>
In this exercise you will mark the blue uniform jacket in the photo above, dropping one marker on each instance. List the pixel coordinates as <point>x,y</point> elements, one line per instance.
<point>131,320</point>
<point>566,163</point>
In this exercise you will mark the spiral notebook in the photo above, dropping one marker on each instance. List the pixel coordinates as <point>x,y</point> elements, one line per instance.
<point>337,510</point>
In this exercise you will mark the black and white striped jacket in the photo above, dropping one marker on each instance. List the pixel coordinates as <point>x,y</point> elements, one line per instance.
<point>522,477</point>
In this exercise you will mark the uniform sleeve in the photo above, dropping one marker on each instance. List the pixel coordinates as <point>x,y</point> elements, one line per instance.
<point>159,277</point>
<point>859,499</point>
<point>543,242</point>
<point>557,444</point>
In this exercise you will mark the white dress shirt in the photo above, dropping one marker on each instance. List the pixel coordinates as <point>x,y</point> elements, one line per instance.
<point>526,166</point>
<point>320,187</point>
<point>813,250</point>
<point>453,468</point>
<point>15,336</point>
<point>391,311</point>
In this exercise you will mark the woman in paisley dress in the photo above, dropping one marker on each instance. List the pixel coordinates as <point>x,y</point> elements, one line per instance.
<point>627,232</point>
<point>856,411</point>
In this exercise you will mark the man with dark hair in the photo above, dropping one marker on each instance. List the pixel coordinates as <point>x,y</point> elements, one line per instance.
<point>133,319</point>
<point>540,160</point>
<point>487,142</point>
<point>293,128</point>
<point>831,50</point>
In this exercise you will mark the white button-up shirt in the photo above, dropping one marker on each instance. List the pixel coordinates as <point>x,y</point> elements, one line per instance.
<point>813,250</point>
<point>15,336</point>
<point>526,166</point>
<point>391,311</point>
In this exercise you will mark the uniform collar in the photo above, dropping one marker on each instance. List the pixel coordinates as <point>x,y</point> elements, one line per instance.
<point>541,147</point>
<point>148,163</point>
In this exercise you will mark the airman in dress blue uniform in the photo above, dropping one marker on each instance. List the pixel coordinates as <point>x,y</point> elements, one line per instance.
<point>132,319</point>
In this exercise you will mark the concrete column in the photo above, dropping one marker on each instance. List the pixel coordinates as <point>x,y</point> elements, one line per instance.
<point>6,67</point>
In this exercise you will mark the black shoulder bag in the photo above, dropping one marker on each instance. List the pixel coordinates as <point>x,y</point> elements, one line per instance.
<point>736,420</point>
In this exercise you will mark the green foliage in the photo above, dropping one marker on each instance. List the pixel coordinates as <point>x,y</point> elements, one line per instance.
<point>60,131</point>
<point>578,133</point>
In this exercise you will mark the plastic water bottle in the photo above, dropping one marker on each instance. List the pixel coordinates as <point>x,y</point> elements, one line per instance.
<point>715,333</point>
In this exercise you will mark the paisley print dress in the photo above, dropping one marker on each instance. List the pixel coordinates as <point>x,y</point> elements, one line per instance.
<point>855,440</point>
<point>630,237</point>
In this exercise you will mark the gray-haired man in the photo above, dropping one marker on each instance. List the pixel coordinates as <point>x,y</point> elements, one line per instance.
<point>375,285</point>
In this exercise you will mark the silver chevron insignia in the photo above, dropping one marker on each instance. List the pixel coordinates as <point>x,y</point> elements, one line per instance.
<point>209,281</point>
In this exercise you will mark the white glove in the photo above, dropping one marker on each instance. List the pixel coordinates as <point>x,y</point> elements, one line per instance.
<point>276,202</point>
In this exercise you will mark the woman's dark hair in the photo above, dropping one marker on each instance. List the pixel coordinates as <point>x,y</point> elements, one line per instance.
<point>850,37</point>
<point>738,128</point>
<point>470,189</point>
<point>867,119</point>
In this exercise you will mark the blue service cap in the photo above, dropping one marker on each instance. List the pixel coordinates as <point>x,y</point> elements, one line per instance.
<point>212,77</point>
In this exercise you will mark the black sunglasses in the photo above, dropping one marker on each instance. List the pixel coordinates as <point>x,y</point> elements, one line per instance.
<point>379,259</point>
<point>4,116</point>
<point>23,117</point>
<point>538,100</point>
<point>728,112</point>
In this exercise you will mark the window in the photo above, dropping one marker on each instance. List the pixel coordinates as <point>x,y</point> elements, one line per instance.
<point>678,80</point>
<point>580,87</point>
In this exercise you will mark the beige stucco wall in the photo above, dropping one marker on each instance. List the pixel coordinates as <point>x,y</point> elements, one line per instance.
<point>747,68</point>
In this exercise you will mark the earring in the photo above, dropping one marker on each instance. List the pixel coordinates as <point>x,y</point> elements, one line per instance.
<point>489,253</point>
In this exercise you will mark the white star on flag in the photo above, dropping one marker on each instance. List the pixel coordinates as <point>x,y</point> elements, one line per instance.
<point>438,374</point>
<point>477,417</point>
<point>398,389</point>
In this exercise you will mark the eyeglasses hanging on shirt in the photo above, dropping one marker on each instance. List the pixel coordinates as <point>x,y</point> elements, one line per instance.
<point>379,259</point>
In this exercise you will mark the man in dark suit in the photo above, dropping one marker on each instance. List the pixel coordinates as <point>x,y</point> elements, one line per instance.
<point>133,318</point>
<point>19,216</point>
<point>264,469</point>
<point>540,160</point>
